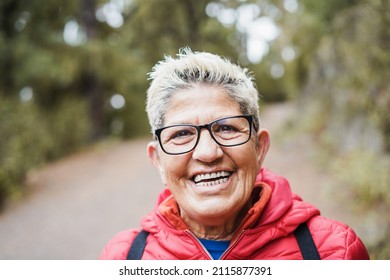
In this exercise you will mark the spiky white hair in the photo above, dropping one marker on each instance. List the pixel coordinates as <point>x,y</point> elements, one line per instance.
<point>189,68</point>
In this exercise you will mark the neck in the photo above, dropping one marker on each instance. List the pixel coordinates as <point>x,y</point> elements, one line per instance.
<point>225,229</point>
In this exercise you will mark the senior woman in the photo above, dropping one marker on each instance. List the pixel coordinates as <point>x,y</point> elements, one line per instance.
<point>219,202</point>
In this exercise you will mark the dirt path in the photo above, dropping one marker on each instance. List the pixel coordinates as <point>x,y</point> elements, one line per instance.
<point>80,202</point>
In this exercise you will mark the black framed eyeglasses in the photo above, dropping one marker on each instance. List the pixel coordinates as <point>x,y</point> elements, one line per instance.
<point>183,138</point>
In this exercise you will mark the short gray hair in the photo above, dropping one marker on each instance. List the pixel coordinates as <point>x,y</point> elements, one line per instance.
<point>189,68</point>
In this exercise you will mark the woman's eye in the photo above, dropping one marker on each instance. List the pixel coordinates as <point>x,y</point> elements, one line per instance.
<point>181,134</point>
<point>226,128</point>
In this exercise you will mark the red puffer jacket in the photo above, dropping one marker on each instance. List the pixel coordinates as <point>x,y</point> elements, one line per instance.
<point>265,233</point>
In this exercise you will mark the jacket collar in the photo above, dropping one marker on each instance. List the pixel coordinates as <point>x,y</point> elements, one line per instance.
<point>261,194</point>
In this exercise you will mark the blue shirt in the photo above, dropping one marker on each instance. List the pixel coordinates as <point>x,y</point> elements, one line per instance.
<point>215,247</point>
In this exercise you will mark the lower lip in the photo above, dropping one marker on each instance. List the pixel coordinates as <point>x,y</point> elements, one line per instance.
<point>211,190</point>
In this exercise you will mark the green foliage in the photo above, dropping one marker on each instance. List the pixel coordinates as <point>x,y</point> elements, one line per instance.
<point>175,24</point>
<point>368,174</point>
<point>270,89</point>
<point>364,170</point>
<point>108,60</point>
<point>69,127</point>
<point>30,138</point>
<point>24,144</point>
<point>326,11</point>
<point>345,101</point>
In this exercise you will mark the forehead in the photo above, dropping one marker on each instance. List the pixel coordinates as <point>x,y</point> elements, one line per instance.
<point>200,104</point>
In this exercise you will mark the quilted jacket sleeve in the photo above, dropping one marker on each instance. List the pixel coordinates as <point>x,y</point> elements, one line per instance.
<point>336,241</point>
<point>118,247</point>
<point>355,247</point>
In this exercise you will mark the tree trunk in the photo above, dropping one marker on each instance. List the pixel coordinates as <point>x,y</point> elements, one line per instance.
<point>90,81</point>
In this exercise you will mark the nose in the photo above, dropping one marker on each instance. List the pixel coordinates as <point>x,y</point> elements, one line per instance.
<point>207,150</point>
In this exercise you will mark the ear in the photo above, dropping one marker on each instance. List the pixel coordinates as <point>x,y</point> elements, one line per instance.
<point>263,143</point>
<point>152,151</point>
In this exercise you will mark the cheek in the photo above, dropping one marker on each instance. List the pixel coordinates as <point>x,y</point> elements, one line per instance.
<point>247,159</point>
<point>174,168</point>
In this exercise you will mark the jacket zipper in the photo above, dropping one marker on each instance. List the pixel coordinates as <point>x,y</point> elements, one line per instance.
<point>207,252</point>
<point>201,245</point>
<point>232,245</point>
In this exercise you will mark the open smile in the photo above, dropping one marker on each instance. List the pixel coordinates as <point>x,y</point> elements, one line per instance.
<point>211,179</point>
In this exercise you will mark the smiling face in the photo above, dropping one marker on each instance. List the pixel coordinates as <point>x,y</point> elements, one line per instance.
<point>211,184</point>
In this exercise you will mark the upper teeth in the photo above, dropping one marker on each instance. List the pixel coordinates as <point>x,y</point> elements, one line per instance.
<point>208,176</point>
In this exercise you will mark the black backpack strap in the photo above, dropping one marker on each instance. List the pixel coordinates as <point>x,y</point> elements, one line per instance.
<point>138,246</point>
<point>306,243</point>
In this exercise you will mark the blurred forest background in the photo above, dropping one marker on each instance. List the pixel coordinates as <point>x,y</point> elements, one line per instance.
<point>73,73</point>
